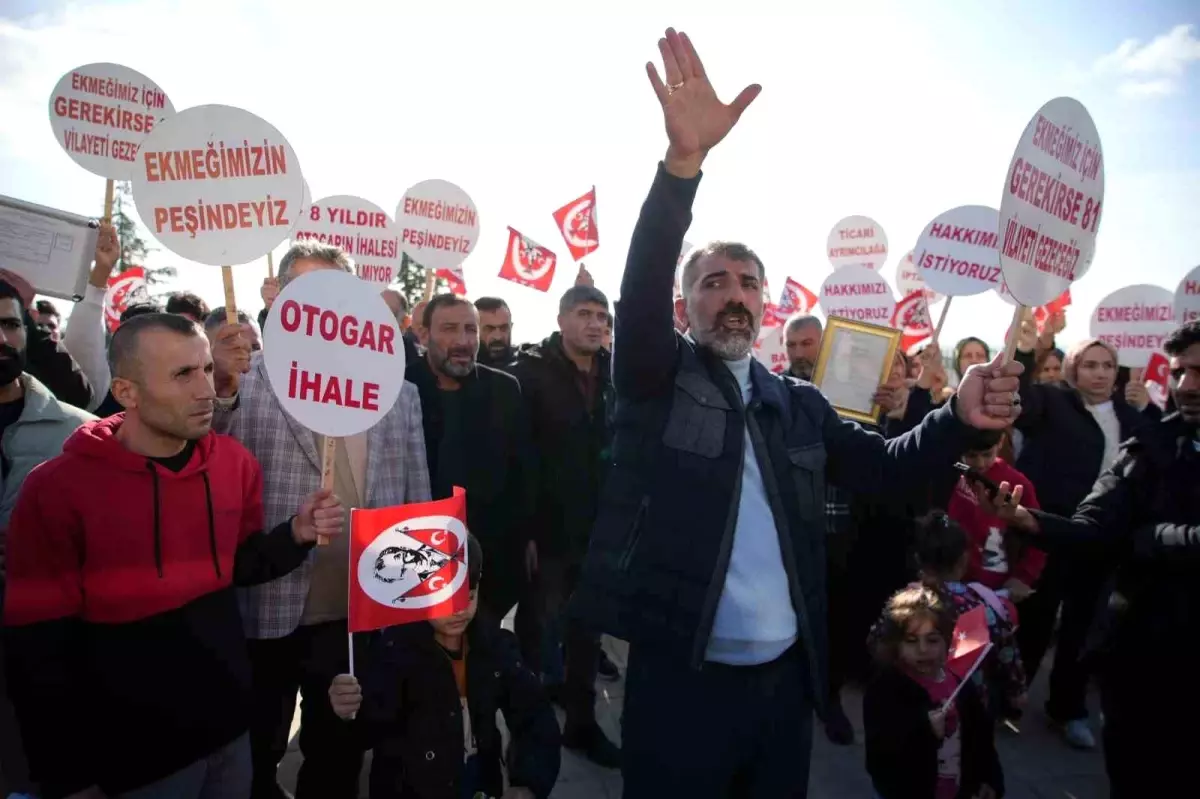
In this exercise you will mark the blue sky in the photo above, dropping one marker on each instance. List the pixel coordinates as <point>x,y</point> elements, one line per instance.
<point>893,110</point>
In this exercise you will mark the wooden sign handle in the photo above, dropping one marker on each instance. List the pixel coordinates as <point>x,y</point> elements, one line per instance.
<point>430,281</point>
<point>230,302</point>
<point>271,265</point>
<point>1010,348</point>
<point>108,200</point>
<point>937,331</point>
<point>328,456</point>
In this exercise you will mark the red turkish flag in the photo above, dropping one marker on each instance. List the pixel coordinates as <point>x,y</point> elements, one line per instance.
<point>127,288</point>
<point>796,298</point>
<point>456,280</point>
<point>408,563</point>
<point>577,222</point>
<point>911,317</point>
<point>528,263</point>
<point>972,641</point>
<point>1158,371</point>
<point>1042,312</point>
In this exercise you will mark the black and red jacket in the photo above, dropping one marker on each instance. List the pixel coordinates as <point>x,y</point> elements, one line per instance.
<point>124,643</point>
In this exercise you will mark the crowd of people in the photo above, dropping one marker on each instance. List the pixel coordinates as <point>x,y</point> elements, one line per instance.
<point>165,605</point>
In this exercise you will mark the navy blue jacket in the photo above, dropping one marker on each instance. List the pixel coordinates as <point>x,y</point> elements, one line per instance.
<point>661,543</point>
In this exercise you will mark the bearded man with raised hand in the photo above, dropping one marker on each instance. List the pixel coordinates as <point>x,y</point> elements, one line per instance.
<point>708,553</point>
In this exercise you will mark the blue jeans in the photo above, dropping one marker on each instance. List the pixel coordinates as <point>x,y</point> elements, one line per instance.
<point>224,774</point>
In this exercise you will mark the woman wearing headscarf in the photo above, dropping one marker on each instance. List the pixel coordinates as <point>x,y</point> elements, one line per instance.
<point>1072,432</point>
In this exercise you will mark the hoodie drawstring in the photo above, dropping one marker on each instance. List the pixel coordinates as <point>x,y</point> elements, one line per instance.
<point>212,531</point>
<point>157,527</point>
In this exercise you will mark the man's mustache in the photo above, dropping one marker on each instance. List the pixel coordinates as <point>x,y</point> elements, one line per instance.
<point>732,311</point>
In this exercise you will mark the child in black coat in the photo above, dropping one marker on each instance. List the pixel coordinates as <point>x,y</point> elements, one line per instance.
<point>427,705</point>
<point>918,747</point>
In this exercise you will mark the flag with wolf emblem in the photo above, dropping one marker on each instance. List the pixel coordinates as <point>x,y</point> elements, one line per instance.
<point>408,563</point>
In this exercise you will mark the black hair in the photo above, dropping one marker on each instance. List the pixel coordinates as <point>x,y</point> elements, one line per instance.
<point>579,295</point>
<point>45,307</point>
<point>903,608</point>
<point>958,351</point>
<point>445,300</point>
<point>1182,338</point>
<point>490,304</point>
<point>185,302</point>
<point>140,309</point>
<point>474,561</point>
<point>123,348</point>
<point>982,440</point>
<point>941,543</point>
<point>9,292</point>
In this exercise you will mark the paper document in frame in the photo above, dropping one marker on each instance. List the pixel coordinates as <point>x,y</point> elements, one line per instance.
<point>51,249</point>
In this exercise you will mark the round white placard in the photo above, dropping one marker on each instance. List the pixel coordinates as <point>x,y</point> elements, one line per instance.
<point>218,185</point>
<point>858,293</point>
<point>335,357</point>
<point>359,227</point>
<point>438,224</point>
<point>1051,209</point>
<point>908,280</point>
<point>1136,320</point>
<point>857,241</point>
<point>956,253</point>
<point>101,114</point>
<point>1187,298</point>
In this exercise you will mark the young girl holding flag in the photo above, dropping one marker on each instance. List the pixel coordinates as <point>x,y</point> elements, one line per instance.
<point>927,733</point>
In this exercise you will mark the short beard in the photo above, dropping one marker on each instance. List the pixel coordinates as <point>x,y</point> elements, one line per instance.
<point>450,368</point>
<point>803,368</point>
<point>728,345</point>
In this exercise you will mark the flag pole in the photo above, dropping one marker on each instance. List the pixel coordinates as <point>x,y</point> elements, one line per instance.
<point>986,651</point>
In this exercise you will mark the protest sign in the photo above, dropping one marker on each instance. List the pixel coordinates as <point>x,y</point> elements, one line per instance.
<point>438,223</point>
<point>577,222</point>
<point>857,241</point>
<point>956,253</point>
<point>102,113</point>
<point>359,227</point>
<point>908,280</point>
<point>770,348</point>
<point>1136,320</point>
<point>218,185</point>
<point>336,361</point>
<point>1187,298</point>
<point>1052,201</point>
<point>857,293</point>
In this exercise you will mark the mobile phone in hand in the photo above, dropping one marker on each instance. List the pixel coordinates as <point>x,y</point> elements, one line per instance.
<point>976,476</point>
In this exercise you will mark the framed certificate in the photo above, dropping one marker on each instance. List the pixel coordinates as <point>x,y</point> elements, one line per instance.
<point>854,362</point>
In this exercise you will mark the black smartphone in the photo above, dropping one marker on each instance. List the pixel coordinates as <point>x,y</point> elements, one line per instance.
<point>976,476</point>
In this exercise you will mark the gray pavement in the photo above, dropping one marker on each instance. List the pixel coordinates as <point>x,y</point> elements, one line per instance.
<point>1037,764</point>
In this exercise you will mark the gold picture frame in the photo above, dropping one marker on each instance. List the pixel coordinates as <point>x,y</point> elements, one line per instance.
<point>852,354</point>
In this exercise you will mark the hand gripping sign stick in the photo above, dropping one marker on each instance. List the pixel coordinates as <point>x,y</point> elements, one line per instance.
<point>336,360</point>
<point>1050,211</point>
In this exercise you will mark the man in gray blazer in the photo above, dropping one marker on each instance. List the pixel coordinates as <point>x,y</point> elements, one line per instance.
<point>296,625</point>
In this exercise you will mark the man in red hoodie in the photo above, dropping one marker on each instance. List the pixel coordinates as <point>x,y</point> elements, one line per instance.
<point>125,649</point>
<point>997,559</point>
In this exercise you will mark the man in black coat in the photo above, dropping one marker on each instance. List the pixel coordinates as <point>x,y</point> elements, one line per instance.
<point>708,554</point>
<point>566,384</point>
<point>1072,432</point>
<point>477,436</point>
<point>1145,513</point>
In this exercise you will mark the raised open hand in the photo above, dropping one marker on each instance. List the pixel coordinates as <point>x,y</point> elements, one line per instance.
<point>696,120</point>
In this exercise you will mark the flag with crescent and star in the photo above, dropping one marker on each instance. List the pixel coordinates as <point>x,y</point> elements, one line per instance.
<point>408,563</point>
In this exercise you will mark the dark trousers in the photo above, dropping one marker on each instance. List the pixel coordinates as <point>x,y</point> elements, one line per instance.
<point>305,661</point>
<point>846,640</point>
<point>556,583</point>
<point>14,773</point>
<point>742,732</point>
<point>1077,586</point>
<point>1150,706</point>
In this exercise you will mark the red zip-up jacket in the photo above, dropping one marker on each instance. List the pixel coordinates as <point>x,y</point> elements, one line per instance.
<point>990,552</point>
<point>123,639</point>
